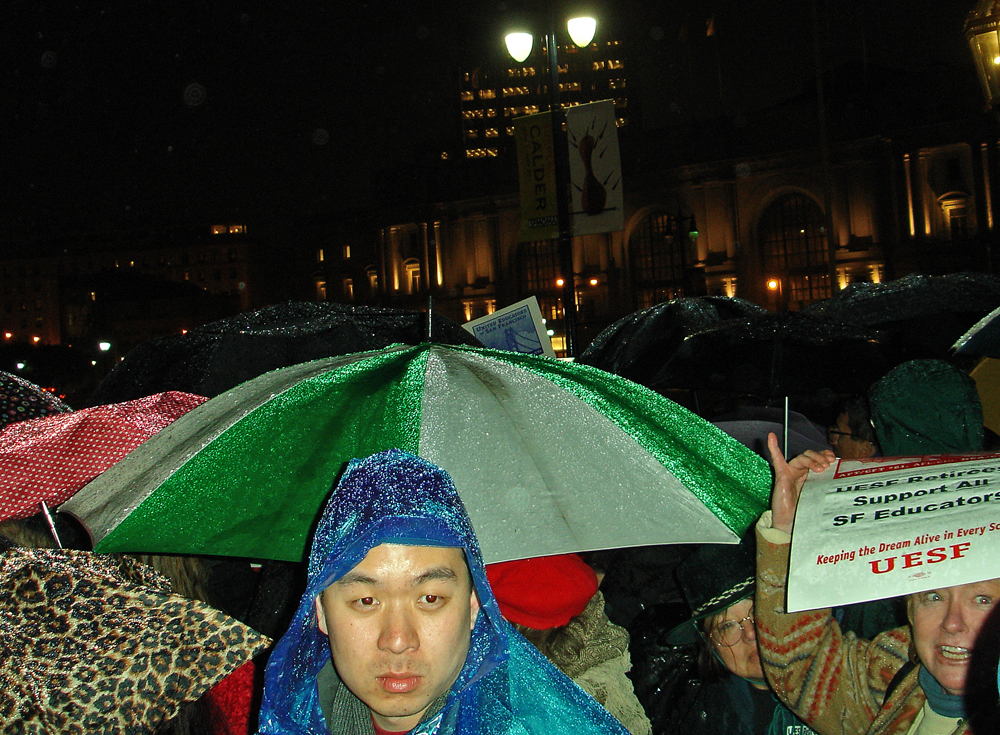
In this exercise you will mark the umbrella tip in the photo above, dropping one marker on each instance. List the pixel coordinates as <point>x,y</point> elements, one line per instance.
<point>51,524</point>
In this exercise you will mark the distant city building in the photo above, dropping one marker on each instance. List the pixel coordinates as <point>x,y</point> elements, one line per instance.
<point>490,100</point>
<point>160,280</point>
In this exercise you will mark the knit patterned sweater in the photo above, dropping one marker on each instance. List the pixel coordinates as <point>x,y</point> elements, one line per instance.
<point>832,680</point>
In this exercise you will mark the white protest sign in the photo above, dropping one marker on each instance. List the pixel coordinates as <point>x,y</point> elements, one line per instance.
<point>876,528</point>
<point>516,328</point>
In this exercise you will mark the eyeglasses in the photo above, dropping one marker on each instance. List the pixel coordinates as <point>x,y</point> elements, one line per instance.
<point>833,436</point>
<point>731,632</point>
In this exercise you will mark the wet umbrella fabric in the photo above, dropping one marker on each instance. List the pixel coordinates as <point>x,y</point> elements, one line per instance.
<point>750,427</point>
<point>638,345</point>
<point>549,457</point>
<point>784,354</point>
<point>21,400</point>
<point>94,643</point>
<point>215,357</point>
<point>50,458</point>
<point>923,314</point>
<point>982,339</point>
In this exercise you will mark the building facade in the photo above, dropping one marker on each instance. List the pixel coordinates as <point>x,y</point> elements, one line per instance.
<point>782,230</point>
<point>155,281</point>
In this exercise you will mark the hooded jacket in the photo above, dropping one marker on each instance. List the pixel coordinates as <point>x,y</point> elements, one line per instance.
<point>926,407</point>
<point>505,685</point>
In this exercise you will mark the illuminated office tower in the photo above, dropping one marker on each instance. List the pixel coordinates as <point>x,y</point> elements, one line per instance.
<point>490,100</point>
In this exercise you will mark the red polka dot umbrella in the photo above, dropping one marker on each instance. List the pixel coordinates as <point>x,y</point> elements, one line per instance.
<point>50,458</point>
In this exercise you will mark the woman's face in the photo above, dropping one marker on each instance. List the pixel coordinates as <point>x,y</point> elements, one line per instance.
<point>946,623</point>
<point>742,658</point>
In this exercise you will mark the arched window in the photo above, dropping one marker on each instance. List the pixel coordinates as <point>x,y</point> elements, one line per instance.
<point>412,269</point>
<point>657,260</point>
<point>793,239</point>
<point>956,208</point>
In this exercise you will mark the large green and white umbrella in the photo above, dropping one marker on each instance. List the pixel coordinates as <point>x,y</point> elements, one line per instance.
<point>549,457</point>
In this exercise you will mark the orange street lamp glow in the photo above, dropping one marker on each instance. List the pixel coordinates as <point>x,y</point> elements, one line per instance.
<point>8,335</point>
<point>36,339</point>
<point>593,281</point>
<point>772,284</point>
<point>560,282</point>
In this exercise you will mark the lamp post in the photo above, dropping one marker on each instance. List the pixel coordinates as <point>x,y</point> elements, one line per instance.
<point>982,31</point>
<point>776,286</point>
<point>581,31</point>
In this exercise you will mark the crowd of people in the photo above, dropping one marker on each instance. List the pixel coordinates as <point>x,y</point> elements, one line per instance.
<point>395,624</point>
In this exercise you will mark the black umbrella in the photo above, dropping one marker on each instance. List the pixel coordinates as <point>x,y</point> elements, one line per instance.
<point>776,355</point>
<point>215,357</point>
<point>750,426</point>
<point>922,314</point>
<point>638,345</point>
<point>982,339</point>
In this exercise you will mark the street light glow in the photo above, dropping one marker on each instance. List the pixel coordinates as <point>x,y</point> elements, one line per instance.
<point>582,31</point>
<point>104,346</point>
<point>772,284</point>
<point>560,282</point>
<point>519,45</point>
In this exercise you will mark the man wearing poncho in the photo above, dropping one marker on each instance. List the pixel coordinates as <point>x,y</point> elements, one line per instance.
<point>414,646</point>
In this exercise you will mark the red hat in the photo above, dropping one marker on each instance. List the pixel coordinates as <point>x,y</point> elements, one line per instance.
<point>544,592</point>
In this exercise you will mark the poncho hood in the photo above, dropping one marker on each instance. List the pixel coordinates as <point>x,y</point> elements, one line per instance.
<point>926,407</point>
<point>396,497</point>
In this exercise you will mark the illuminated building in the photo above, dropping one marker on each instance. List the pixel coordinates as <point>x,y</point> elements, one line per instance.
<point>149,282</point>
<point>491,99</point>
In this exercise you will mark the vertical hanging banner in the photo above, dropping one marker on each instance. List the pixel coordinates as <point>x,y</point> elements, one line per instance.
<point>596,200</point>
<point>537,173</point>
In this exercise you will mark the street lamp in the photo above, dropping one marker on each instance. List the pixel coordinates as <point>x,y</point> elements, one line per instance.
<point>581,31</point>
<point>981,31</point>
<point>519,43</point>
<point>777,289</point>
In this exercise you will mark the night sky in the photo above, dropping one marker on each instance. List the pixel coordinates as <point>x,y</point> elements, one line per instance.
<point>123,114</point>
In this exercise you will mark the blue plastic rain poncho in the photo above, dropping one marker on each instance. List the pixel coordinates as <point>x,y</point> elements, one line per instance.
<point>505,686</point>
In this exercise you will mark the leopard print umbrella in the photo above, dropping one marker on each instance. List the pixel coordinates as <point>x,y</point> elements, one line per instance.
<point>96,643</point>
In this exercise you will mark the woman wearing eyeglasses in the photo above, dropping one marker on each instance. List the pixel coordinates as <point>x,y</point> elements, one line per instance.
<point>926,678</point>
<point>732,695</point>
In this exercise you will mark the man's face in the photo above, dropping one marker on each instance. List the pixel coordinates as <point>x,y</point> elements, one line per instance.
<point>946,623</point>
<point>399,626</point>
<point>845,444</point>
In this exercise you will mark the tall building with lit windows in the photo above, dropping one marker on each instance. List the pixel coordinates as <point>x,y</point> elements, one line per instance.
<point>491,99</point>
